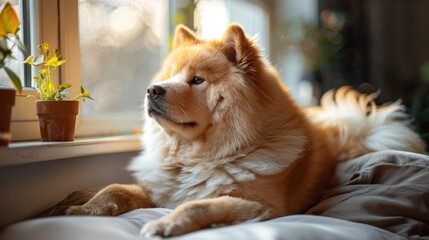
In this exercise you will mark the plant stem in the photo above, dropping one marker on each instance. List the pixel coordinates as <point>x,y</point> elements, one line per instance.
<point>50,81</point>
<point>77,97</point>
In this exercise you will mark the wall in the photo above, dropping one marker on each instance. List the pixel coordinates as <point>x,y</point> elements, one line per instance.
<point>28,189</point>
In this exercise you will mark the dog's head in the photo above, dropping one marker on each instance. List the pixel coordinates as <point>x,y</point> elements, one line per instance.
<point>209,89</point>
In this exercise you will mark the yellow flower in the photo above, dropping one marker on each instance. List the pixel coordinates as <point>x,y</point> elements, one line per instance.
<point>53,62</point>
<point>45,72</point>
<point>9,22</point>
<point>44,48</point>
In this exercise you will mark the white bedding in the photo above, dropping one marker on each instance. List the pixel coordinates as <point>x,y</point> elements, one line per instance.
<point>383,195</point>
<point>127,227</point>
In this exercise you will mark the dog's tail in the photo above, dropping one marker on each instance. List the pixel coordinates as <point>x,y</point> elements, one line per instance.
<point>356,125</point>
<point>75,198</point>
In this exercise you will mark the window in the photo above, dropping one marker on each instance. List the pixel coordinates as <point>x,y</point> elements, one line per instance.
<point>213,16</point>
<point>121,48</point>
<point>113,48</point>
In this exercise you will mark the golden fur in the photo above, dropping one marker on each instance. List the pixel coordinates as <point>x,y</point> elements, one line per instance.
<point>225,143</point>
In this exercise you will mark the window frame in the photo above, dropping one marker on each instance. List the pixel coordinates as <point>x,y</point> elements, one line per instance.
<point>43,26</point>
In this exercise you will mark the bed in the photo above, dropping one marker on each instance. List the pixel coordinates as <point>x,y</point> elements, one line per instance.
<point>382,195</point>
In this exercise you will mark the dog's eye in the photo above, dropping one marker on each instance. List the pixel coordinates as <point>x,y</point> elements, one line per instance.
<point>196,80</point>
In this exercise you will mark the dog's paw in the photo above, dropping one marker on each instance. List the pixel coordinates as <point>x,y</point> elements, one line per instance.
<point>167,227</point>
<point>77,210</point>
<point>160,228</point>
<point>104,210</point>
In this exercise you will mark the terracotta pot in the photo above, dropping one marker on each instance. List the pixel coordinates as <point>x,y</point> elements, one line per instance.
<point>7,100</point>
<point>57,119</point>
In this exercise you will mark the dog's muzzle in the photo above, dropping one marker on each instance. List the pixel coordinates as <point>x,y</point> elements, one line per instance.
<point>156,103</point>
<point>155,91</point>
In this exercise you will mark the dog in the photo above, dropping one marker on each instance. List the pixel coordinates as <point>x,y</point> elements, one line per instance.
<point>225,143</point>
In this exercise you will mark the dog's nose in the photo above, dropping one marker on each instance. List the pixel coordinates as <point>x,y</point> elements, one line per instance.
<point>154,91</point>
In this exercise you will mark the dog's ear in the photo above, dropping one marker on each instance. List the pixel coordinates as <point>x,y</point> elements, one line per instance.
<point>183,35</point>
<point>234,42</point>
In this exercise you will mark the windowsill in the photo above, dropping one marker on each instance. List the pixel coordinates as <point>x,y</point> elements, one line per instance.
<point>37,151</point>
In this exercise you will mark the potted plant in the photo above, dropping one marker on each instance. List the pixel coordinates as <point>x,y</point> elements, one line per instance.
<point>8,41</point>
<point>56,112</point>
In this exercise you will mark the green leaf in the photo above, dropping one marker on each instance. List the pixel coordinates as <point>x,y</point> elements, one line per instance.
<point>29,60</point>
<point>38,60</point>
<point>64,86</point>
<point>64,91</point>
<point>84,94</point>
<point>15,79</point>
<point>9,21</point>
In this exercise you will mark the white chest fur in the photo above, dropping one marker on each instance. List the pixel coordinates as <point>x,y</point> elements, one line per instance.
<point>173,184</point>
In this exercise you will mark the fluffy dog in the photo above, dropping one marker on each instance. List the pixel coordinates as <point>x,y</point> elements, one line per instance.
<point>225,143</point>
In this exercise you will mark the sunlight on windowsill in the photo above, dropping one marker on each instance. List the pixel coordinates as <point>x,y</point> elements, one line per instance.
<point>36,151</point>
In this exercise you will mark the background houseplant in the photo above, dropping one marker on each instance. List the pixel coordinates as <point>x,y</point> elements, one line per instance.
<point>57,114</point>
<point>8,41</point>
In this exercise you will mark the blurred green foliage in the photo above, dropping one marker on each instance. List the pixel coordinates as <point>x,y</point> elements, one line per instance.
<point>181,12</point>
<point>420,104</point>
